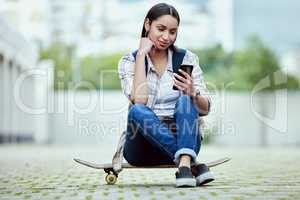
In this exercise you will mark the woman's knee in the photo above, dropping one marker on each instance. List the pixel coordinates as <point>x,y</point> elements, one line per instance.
<point>183,100</point>
<point>185,104</point>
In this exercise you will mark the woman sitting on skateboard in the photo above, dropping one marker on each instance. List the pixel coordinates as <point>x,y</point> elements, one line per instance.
<point>163,122</point>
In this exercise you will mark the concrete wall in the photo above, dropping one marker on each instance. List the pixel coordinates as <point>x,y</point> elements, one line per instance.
<point>236,118</point>
<point>267,119</point>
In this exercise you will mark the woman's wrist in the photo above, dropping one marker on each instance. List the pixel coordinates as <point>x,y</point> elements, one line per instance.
<point>141,53</point>
<point>195,94</point>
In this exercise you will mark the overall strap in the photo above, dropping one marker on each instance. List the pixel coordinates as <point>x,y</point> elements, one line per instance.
<point>177,58</point>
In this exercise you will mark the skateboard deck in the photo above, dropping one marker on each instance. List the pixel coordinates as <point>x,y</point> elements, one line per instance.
<point>111,177</point>
<point>128,166</point>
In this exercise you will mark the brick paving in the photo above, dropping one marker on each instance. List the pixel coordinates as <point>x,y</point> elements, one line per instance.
<point>48,172</point>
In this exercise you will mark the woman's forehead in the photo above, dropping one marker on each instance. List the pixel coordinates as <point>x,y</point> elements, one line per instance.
<point>167,21</point>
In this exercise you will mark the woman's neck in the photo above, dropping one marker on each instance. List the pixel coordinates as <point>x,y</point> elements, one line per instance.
<point>156,53</point>
<point>159,58</point>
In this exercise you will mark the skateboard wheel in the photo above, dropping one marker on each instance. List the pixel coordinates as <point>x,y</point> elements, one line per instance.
<point>111,179</point>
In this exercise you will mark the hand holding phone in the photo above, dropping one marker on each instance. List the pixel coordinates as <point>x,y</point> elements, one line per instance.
<point>186,68</point>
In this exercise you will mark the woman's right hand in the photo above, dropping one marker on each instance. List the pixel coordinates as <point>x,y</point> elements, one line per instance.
<point>145,46</point>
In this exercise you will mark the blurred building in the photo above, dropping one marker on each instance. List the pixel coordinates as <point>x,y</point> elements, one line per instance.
<point>106,26</point>
<point>23,88</point>
<point>102,26</point>
<point>29,17</point>
<point>76,23</point>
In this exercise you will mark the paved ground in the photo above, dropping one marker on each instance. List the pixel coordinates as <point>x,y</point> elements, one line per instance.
<point>40,172</point>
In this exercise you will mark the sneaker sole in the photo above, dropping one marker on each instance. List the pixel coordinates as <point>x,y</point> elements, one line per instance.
<point>185,182</point>
<point>205,178</point>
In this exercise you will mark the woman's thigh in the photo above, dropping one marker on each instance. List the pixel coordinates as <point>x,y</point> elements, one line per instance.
<point>139,152</point>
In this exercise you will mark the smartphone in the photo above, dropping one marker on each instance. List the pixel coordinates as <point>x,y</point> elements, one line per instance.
<point>186,68</point>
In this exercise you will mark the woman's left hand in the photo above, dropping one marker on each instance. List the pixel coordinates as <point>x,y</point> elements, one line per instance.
<point>185,84</point>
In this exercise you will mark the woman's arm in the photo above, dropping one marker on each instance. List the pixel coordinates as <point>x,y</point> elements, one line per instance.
<point>133,76</point>
<point>202,103</point>
<point>189,88</point>
<point>200,93</point>
<point>195,87</point>
<point>139,93</point>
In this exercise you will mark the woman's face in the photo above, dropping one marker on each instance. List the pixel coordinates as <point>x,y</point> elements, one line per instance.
<point>162,31</point>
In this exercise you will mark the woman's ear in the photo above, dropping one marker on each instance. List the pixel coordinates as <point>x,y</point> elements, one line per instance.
<point>147,24</point>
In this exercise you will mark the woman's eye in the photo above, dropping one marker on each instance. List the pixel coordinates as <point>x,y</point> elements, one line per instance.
<point>161,29</point>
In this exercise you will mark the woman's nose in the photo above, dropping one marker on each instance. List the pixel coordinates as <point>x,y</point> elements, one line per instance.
<point>165,35</point>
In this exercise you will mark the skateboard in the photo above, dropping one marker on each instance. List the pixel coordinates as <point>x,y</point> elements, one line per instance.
<point>111,177</point>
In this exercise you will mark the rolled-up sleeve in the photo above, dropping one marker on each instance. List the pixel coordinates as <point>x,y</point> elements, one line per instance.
<point>198,80</point>
<point>126,74</point>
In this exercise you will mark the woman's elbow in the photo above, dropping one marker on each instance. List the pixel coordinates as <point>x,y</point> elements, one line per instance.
<point>204,106</point>
<point>204,112</point>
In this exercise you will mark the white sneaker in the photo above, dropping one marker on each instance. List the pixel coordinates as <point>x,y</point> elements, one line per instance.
<point>184,177</point>
<point>202,174</point>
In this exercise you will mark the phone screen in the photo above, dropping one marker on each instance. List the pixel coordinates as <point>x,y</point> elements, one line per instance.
<point>187,68</point>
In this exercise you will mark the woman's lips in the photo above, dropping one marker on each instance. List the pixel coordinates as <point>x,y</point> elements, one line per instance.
<point>163,44</point>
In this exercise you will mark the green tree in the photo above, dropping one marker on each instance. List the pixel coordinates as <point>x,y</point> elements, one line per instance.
<point>255,62</point>
<point>244,68</point>
<point>215,63</point>
<point>212,57</point>
<point>60,54</point>
<point>101,71</point>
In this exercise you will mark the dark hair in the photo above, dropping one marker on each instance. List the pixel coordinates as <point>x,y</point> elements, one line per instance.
<point>157,11</point>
